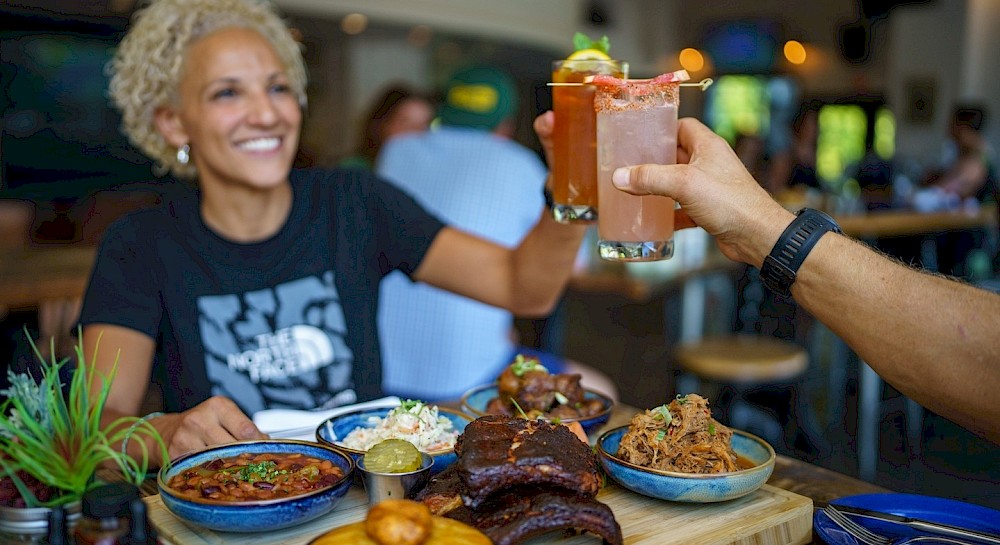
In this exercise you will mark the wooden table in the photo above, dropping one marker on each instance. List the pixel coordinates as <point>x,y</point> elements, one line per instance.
<point>31,275</point>
<point>894,223</point>
<point>818,484</point>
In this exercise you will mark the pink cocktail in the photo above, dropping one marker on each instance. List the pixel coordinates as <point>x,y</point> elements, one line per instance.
<point>636,124</point>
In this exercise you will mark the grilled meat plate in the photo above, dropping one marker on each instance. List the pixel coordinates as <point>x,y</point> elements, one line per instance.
<point>497,452</point>
<point>520,512</point>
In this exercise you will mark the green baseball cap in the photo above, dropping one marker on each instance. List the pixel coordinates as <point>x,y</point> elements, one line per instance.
<point>480,97</point>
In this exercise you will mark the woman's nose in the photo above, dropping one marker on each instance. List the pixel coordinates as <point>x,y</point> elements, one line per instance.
<point>263,110</point>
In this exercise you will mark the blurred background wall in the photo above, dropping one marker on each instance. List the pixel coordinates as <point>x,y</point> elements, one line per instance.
<point>912,58</point>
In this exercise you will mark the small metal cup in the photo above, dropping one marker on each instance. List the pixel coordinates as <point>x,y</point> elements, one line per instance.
<point>386,486</point>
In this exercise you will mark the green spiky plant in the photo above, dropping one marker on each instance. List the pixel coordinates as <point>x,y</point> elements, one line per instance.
<point>56,436</point>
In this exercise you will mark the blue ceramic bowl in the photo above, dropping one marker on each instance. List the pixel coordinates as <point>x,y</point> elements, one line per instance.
<point>475,401</point>
<point>332,430</point>
<point>261,515</point>
<point>689,487</point>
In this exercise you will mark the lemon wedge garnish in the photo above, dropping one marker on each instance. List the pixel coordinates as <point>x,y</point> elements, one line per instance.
<point>589,61</point>
<point>589,55</point>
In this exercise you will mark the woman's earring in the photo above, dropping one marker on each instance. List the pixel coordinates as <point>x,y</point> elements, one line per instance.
<point>184,154</point>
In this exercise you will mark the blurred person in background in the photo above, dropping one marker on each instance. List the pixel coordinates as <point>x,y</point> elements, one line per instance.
<point>255,285</point>
<point>399,109</point>
<point>795,167</point>
<point>969,179</point>
<point>972,172</point>
<point>472,174</point>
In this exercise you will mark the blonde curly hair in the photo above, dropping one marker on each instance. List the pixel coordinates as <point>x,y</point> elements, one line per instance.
<point>146,68</point>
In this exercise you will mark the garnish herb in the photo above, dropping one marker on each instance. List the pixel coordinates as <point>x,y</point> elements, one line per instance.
<point>519,409</point>
<point>561,398</point>
<point>582,41</point>
<point>408,404</point>
<point>663,413</point>
<point>660,435</point>
<point>522,365</point>
<point>682,399</point>
<point>258,471</point>
<point>711,428</point>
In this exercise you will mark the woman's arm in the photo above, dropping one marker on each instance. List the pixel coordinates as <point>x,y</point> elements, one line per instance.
<point>217,420</point>
<point>527,280</point>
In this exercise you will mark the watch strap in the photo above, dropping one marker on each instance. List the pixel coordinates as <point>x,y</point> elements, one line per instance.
<point>793,246</point>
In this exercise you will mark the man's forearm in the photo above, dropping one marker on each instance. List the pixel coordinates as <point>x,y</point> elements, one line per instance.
<point>934,339</point>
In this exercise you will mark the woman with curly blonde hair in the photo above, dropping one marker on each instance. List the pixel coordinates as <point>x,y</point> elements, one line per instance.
<point>258,287</point>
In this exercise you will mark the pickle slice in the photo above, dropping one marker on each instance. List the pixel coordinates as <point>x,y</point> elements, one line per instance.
<point>393,456</point>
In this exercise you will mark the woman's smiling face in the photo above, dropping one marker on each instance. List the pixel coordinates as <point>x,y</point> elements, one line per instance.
<point>236,110</point>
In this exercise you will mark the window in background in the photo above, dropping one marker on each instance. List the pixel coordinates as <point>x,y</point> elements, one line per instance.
<point>841,142</point>
<point>847,134</point>
<point>757,105</point>
<point>885,133</point>
<point>60,136</point>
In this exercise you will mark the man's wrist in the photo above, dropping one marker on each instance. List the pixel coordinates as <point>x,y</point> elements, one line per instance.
<point>781,265</point>
<point>770,232</point>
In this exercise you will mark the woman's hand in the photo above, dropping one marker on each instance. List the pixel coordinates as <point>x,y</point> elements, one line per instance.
<point>544,125</point>
<point>214,421</point>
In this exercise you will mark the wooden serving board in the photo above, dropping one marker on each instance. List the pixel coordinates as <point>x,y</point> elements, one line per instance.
<point>769,516</point>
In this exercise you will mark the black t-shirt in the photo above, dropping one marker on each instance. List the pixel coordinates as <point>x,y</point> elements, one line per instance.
<point>288,322</point>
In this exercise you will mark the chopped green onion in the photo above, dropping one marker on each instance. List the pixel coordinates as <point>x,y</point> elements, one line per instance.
<point>408,405</point>
<point>711,428</point>
<point>660,435</point>
<point>663,413</point>
<point>682,399</point>
<point>522,365</point>
<point>561,398</point>
<point>518,407</point>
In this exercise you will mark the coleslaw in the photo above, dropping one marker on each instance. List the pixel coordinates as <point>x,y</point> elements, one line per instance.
<point>413,421</point>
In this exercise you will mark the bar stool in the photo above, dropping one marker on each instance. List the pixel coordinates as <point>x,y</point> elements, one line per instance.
<point>738,364</point>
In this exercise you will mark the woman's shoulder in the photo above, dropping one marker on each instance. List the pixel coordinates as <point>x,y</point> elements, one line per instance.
<point>336,181</point>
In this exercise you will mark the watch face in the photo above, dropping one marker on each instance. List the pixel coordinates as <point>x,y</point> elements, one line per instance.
<point>776,276</point>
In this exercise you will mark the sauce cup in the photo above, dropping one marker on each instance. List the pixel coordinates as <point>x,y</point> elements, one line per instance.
<point>394,486</point>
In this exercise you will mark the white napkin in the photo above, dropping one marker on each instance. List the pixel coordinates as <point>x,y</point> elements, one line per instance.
<point>294,424</point>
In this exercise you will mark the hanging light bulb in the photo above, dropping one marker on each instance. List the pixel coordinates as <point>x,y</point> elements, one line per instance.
<point>795,52</point>
<point>691,59</point>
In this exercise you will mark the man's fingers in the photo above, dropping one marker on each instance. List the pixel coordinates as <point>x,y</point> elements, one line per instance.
<point>649,179</point>
<point>682,220</point>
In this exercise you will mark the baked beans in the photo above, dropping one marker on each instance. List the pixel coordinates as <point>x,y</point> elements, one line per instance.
<point>256,476</point>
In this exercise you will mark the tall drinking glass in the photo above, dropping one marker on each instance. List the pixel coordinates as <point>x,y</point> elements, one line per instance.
<point>636,124</point>
<point>574,140</point>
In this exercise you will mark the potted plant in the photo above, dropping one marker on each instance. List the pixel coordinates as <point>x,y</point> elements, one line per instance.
<point>52,441</point>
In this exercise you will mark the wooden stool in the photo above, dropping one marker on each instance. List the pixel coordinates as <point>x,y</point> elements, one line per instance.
<point>738,363</point>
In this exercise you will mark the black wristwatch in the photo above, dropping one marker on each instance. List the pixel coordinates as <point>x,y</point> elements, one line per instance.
<point>780,267</point>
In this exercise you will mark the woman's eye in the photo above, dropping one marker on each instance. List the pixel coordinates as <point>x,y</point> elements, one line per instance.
<point>224,93</point>
<point>281,88</point>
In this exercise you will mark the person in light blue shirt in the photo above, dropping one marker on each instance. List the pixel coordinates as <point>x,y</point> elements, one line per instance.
<point>470,173</point>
